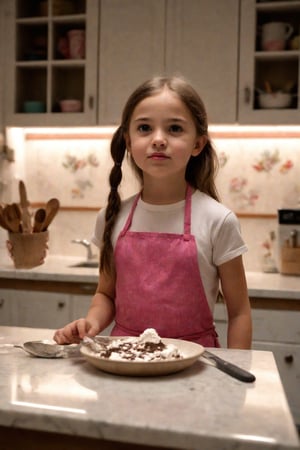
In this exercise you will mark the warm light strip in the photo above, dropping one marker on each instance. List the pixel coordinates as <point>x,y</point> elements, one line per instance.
<point>216,131</point>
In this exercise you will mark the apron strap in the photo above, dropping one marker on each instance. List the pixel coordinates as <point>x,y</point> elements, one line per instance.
<point>130,216</point>
<point>188,213</point>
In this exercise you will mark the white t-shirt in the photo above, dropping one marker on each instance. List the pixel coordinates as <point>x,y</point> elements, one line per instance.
<point>215,227</point>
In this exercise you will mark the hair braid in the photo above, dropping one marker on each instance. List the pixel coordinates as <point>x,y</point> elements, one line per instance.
<point>118,148</point>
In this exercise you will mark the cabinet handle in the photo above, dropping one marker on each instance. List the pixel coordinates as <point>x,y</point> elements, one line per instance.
<point>289,359</point>
<point>247,94</point>
<point>2,302</point>
<point>91,102</point>
<point>61,305</point>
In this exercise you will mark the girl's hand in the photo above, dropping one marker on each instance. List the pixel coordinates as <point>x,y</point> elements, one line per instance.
<point>75,331</point>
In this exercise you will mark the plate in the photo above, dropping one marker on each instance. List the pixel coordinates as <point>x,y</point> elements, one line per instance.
<point>189,350</point>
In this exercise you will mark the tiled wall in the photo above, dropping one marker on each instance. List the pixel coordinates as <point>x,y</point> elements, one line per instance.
<point>258,174</point>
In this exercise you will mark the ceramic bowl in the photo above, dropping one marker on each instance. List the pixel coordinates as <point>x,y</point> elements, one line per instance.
<point>275,100</point>
<point>70,105</point>
<point>34,107</point>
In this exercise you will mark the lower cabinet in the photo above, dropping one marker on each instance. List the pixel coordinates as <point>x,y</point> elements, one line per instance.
<point>277,331</point>
<point>45,309</point>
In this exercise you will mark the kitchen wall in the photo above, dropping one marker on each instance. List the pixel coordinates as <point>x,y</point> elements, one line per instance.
<point>259,173</point>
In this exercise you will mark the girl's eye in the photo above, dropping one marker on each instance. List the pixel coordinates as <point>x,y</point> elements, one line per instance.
<point>176,128</point>
<point>144,128</point>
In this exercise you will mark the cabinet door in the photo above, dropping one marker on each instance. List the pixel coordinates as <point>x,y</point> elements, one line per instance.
<point>6,309</point>
<point>40,309</point>
<point>41,68</point>
<point>268,71</point>
<point>287,357</point>
<point>202,45</point>
<point>131,51</point>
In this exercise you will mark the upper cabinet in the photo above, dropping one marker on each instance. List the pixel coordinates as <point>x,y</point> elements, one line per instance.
<point>269,62</point>
<point>202,45</point>
<point>132,46</point>
<point>196,39</point>
<point>51,48</point>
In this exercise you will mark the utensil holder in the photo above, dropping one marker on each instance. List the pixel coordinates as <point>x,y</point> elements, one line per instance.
<point>290,260</point>
<point>28,250</point>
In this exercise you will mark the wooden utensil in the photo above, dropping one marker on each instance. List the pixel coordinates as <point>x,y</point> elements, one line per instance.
<point>39,218</point>
<point>3,222</point>
<point>52,207</point>
<point>26,218</point>
<point>12,217</point>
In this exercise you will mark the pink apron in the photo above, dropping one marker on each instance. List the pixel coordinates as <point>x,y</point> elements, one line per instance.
<point>159,284</point>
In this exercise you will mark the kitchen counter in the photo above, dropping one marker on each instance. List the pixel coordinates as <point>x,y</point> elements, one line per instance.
<point>200,407</point>
<point>59,269</point>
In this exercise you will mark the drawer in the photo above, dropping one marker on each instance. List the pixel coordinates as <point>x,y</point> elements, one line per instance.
<point>268,325</point>
<point>276,326</point>
<point>287,358</point>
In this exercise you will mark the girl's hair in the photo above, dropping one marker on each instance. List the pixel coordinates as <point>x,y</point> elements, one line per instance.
<point>200,170</point>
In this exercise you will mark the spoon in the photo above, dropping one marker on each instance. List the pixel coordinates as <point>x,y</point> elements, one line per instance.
<point>52,207</point>
<point>11,218</point>
<point>42,349</point>
<point>39,218</point>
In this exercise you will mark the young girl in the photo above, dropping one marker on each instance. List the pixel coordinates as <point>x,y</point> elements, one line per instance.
<point>165,251</point>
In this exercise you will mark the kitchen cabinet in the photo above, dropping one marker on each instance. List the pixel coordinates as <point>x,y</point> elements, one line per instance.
<point>2,71</point>
<point>278,330</point>
<point>269,68</point>
<point>45,65</point>
<point>44,304</point>
<point>197,39</point>
<point>202,45</point>
<point>34,309</point>
<point>132,45</point>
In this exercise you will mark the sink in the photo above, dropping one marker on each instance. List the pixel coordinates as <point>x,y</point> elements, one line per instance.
<point>87,264</point>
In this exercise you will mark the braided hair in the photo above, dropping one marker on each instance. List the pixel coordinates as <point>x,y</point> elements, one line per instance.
<point>200,170</point>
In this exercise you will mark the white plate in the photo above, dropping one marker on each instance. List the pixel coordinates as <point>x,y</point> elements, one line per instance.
<point>189,350</point>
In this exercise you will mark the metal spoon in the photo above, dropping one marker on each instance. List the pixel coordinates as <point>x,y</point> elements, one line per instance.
<point>42,349</point>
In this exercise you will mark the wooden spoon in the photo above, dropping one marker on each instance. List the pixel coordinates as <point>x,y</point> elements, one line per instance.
<point>3,222</point>
<point>11,219</point>
<point>52,207</point>
<point>26,218</point>
<point>39,218</point>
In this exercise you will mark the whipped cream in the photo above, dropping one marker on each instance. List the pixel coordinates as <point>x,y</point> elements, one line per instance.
<point>147,347</point>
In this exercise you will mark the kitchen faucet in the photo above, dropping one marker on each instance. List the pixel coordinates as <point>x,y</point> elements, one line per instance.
<point>87,245</point>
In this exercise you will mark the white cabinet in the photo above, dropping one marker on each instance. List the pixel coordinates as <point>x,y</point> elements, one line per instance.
<point>202,45</point>
<point>197,39</point>
<point>41,70</point>
<point>34,309</point>
<point>268,70</point>
<point>6,307</point>
<point>277,331</point>
<point>132,47</point>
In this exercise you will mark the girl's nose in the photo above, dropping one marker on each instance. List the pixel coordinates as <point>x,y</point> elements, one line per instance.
<point>159,140</point>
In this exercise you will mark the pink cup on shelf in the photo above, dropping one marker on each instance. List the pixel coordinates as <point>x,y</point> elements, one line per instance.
<point>76,44</point>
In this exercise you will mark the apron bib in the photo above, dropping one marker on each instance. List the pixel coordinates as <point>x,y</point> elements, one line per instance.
<point>159,285</point>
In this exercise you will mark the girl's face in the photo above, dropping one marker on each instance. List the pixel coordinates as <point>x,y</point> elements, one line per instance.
<point>162,136</point>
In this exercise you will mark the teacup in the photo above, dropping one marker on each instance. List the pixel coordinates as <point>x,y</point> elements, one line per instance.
<point>275,35</point>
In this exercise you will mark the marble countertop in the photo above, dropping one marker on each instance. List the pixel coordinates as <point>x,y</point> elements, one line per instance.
<point>196,408</point>
<point>60,269</point>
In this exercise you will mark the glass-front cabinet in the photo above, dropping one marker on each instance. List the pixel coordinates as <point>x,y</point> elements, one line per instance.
<point>269,62</point>
<point>51,74</point>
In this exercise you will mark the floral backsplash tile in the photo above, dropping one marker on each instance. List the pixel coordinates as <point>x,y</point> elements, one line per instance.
<point>259,176</point>
<point>255,176</point>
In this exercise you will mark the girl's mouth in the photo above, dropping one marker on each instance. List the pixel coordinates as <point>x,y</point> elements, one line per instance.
<point>158,156</point>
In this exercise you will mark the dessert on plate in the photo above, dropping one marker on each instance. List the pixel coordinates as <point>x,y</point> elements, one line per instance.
<point>147,347</point>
